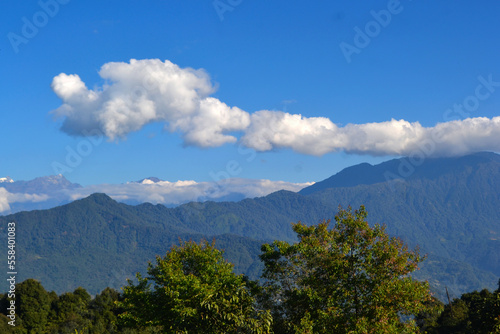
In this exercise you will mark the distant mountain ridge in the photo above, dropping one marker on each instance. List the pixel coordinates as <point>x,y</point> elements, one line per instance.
<point>49,192</point>
<point>447,206</point>
<point>39,185</point>
<point>367,174</point>
<point>49,189</point>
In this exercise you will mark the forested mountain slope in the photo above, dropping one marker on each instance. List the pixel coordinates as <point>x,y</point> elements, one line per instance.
<point>449,207</point>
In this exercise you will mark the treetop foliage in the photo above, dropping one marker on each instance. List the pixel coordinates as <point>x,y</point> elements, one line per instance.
<point>193,290</point>
<point>351,278</point>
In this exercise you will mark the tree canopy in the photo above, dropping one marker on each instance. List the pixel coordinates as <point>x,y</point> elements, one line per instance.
<point>476,312</point>
<point>193,290</point>
<point>351,278</point>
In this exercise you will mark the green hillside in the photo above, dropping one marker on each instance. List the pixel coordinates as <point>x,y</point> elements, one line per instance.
<point>449,208</point>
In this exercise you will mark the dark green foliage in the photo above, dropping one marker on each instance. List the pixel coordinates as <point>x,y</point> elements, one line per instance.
<point>103,311</point>
<point>192,290</point>
<point>474,313</point>
<point>481,310</point>
<point>42,312</point>
<point>427,321</point>
<point>33,305</point>
<point>4,326</point>
<point>71,311</point>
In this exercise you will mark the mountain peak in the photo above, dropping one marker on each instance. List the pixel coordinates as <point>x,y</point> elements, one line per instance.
<point>39,185</point>
<point>402,168</point>
<point>6,179</point>
<point>99,198</point>
<point>52,181</point>
<point>363,173</point>
<point>149,180</point>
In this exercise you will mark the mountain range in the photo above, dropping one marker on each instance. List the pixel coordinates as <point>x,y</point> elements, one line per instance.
<point>40,193</point>
<point>51,191</point>
<point>446,206</point>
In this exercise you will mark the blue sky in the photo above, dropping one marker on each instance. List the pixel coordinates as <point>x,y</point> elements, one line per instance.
<point>281,57</point>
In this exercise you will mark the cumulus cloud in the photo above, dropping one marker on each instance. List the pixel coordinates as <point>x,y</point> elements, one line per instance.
<point>318,136</point>
<point>146,91</point>
<point>7,199</point>
<point>269,129</point>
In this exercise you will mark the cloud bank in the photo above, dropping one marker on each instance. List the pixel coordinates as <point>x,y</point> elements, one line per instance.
<point>7,198</point>
<point>179,192</point>
<point>163,192</point>
<point>146,91</point>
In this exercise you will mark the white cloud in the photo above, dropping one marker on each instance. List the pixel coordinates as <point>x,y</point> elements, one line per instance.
<point>146,91</point>
<point>4,200</point>
<point>269,129</point>
<point>175,193</point>
<point>163,192</point>
<point>465,136</point>
<point>318,136</point>
<point>7,198</point>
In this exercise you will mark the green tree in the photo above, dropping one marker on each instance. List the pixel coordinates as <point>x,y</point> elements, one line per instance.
<point>103,311</point>
<point>454,318</point>
<point>427,321</point>
<point>192,290</point>
<point>33,305</point>
<point>474,313</point>
<point>483,309</point>
<point>351,278</point>
<point>4,325</point>
<point>70,312</point>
